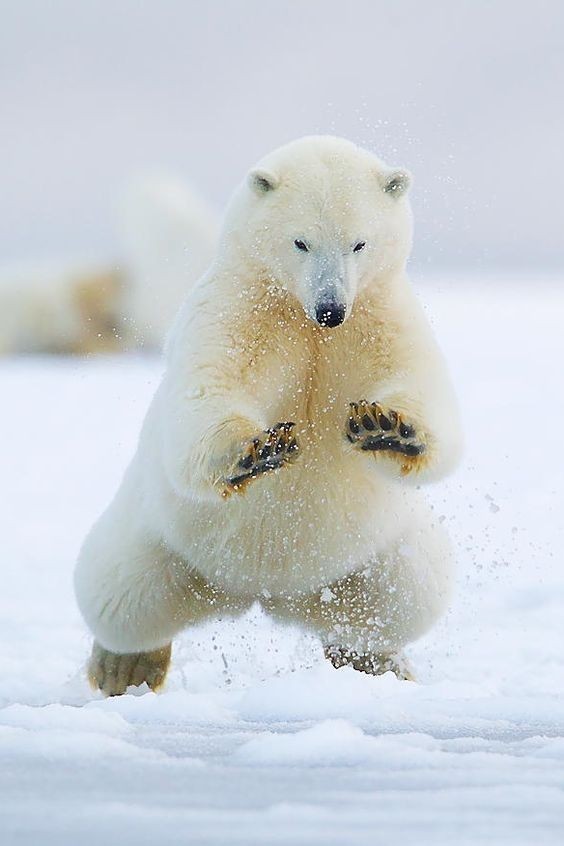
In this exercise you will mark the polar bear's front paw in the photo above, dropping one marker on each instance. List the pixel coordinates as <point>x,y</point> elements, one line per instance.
<point>374,428</point>
<point>269,451</point>
<point>113,673</point>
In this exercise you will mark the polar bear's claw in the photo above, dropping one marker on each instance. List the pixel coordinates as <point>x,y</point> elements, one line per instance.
<point>372,427</point>
<point>113,673</point>
<point>271,450</point>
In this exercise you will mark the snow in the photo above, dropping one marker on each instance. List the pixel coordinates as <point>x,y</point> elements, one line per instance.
<point>257,739</point>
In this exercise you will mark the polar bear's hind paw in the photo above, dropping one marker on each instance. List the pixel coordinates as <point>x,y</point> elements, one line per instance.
<point>374,664</point>
<point>374,428</point>
<point>113,673</point>
<point>270,451</point>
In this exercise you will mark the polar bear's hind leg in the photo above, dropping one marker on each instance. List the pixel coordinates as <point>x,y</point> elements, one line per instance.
<point>367,618</point>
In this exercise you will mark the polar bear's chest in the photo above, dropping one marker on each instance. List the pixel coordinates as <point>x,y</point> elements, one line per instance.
<point>308,377</point>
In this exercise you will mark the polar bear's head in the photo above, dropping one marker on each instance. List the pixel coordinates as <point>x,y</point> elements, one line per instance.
<point>325,220</point>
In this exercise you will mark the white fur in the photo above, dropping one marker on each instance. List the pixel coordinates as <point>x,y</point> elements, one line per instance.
<point>244,354</point>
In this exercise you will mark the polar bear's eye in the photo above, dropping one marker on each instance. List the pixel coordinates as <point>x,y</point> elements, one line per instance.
<point>360,245</point>
<point>301,245</point>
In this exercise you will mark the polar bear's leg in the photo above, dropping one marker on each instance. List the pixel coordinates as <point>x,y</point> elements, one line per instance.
<point>135,595</point>
<point>365,619</point>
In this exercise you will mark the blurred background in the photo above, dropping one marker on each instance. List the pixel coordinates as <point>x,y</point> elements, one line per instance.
<point>468,95</point>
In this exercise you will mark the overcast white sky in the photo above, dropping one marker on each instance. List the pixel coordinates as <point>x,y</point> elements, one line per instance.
<point>468,95</point>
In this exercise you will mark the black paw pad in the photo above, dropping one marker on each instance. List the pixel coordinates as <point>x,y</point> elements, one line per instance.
<point>375,428</point>
<point>275,447</point>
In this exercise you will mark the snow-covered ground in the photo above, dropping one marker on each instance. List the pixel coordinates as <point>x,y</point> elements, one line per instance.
<point>256,739</point>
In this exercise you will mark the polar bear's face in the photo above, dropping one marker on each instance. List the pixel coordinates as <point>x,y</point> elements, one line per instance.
<point>326,220</point>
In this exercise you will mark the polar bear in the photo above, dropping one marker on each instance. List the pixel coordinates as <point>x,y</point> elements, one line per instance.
<point>167,237</point>
<point>303,404</point>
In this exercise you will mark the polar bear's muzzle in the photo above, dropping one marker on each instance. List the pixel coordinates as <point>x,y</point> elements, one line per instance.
<point>329,290</point>
<point>330,313</point>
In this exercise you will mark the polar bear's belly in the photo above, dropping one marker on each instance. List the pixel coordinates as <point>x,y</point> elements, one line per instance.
<point>295,530</point>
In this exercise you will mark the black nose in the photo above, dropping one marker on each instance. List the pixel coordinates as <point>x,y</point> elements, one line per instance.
<point>330,314</point>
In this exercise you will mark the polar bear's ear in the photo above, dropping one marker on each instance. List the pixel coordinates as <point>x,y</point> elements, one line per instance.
<point>396,182</point>
<point>262,181</point>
